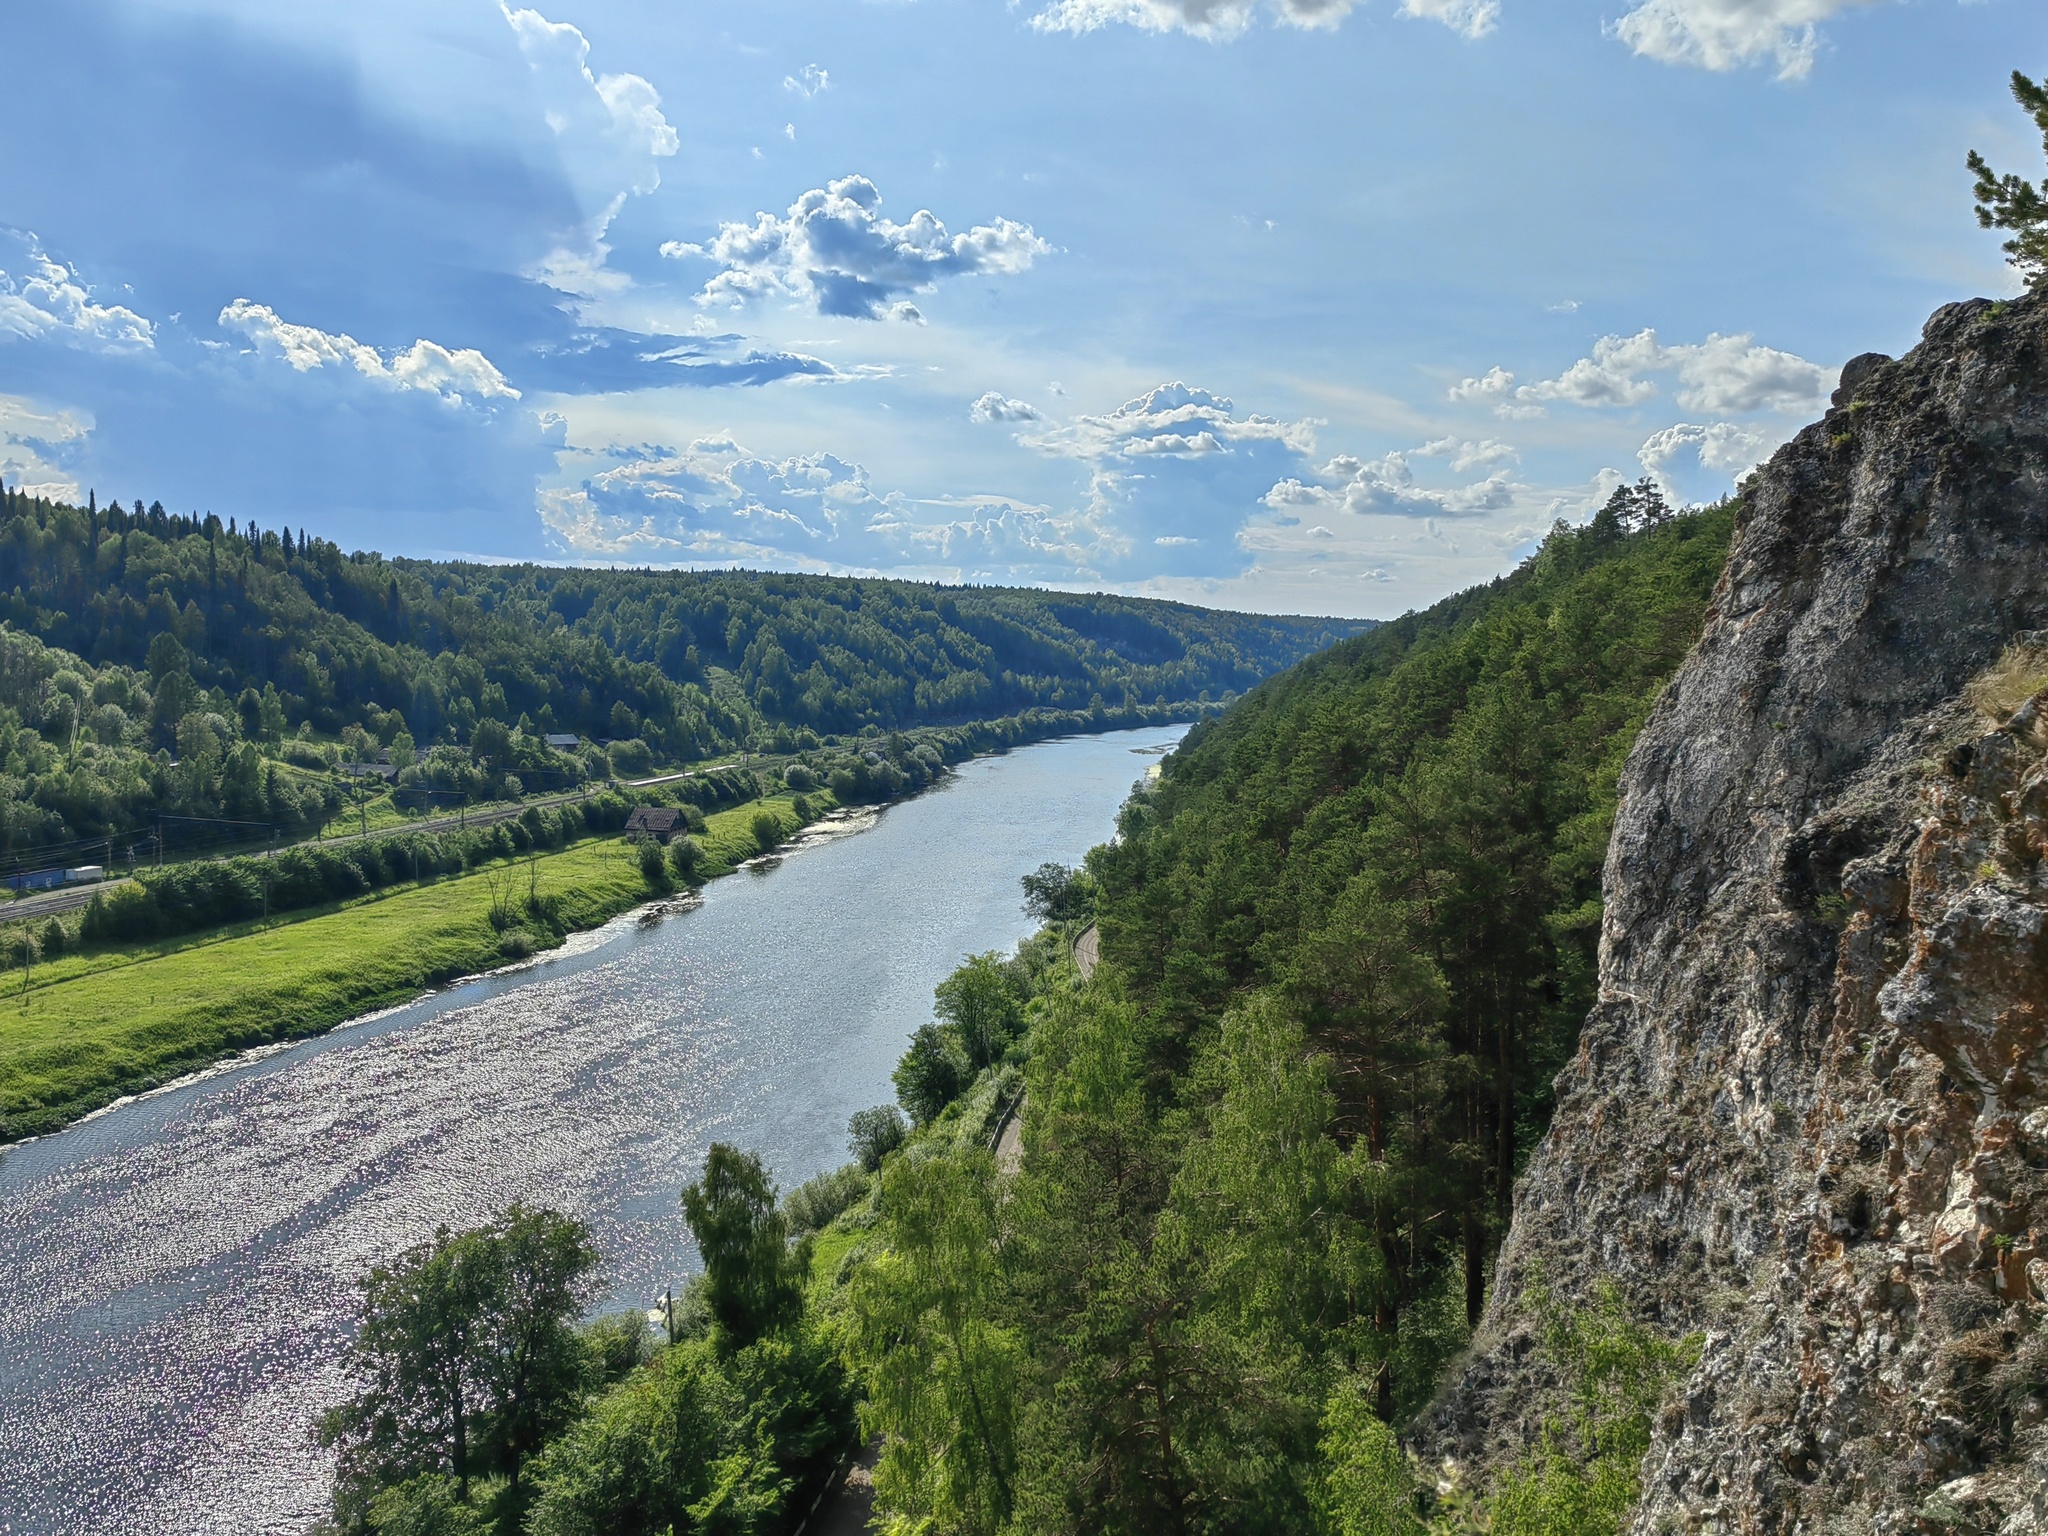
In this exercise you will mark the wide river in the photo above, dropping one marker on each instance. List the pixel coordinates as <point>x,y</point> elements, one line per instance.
<point>177,1274</point>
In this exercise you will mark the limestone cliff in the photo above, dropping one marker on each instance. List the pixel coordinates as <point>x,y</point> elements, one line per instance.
<point>1809,1113</point>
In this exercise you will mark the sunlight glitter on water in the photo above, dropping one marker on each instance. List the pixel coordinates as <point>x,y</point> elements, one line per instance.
<point>176,1275</point>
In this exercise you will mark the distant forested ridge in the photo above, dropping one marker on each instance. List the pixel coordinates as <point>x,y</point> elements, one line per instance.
<point>123,624</point>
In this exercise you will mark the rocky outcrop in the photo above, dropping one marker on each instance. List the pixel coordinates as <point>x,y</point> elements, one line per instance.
<point>1809,1113</point>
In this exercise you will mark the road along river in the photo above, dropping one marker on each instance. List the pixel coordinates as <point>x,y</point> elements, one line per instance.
<point>177,1273</point>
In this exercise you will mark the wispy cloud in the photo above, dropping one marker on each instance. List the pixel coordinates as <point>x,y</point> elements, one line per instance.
<point>808,82</point>
<point>1728,34</point>
<point>43,299</point>
<point>35,442</point>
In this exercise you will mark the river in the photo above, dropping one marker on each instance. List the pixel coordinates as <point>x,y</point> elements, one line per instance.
<point>177,1274</point>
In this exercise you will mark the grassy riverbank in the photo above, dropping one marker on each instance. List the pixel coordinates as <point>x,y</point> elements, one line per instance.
<point>95,1025</point>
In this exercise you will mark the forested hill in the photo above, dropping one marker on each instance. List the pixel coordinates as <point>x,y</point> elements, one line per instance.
<point>1404,836</point>
<point>335,632</point>
<point>1268,1146</point>
<point>127,622</point>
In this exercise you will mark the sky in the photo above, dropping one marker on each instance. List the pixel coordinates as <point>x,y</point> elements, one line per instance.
<point>1323,306</point>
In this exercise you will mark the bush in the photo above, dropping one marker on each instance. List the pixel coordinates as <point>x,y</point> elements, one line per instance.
<point>813,1204</point>
<point>55,940</point>
<point>685,857</point>
<point>1366,1485</point>
<point>619,1343</point>
<point>767,828</point>
<point>631,757</point>
<point>654,865</point>
<point>875,1133</point>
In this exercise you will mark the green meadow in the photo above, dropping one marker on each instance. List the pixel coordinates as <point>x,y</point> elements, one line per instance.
<point>92,1026</point>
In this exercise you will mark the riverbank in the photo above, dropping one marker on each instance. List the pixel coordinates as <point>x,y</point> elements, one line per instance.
<point>109,1022</point>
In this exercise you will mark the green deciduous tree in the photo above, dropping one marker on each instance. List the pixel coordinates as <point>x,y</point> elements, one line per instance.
<point>981,1008</point>
<point>1365,1485</point>
<point>938,1359</point>
<point>466,1355</point>
<point>754,1281</point>
<point>930,1075</point>
<point>872,1134</point>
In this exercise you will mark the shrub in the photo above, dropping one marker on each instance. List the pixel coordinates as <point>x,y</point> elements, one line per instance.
<point>874,1133</point>
<point>685,857</point>
<point>631,757</point>
<point>619,1343</point>
<point>813,1204</point>
<point>654,865</point>
<point>767,827</point>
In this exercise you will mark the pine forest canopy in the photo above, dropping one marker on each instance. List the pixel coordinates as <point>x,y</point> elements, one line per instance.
<point>263,635</point>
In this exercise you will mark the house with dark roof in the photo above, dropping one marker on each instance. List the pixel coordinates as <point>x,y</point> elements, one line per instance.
<point>659,822</point>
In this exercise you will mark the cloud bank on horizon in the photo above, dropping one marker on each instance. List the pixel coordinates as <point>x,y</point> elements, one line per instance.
<point>1281,304</point>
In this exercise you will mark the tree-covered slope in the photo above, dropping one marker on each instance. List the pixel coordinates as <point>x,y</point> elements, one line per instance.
<point>1403,837</point>
<point>141,619</point>
<point>1268,1146</point>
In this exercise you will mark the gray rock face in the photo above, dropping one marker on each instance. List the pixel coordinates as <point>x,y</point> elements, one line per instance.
<point>1809,1113</point>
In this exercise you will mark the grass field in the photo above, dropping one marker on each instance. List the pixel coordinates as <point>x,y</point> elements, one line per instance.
<point>95,1025</point>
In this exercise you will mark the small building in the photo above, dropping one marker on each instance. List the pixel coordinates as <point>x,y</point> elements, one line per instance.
<point>561,741</point>
<point>660,822</point>
<point>370,770</point>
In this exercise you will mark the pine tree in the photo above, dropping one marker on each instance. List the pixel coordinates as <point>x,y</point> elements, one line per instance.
<point>2009,202</point>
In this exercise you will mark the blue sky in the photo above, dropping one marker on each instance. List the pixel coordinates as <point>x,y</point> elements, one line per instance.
<point>1303,305</point>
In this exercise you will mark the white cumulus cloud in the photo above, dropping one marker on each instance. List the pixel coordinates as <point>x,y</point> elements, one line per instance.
<point>611,135</point>
<point>1203,18</point>
<point>835,252</point>
<point>45,299</point>
<point>995,406</point>
<point>454,376</point>
<point>1726,447</point>
<point>1611,376</point>
<point>715,503</point>
<point>1468,18</point>
<point>1173,419</point>
<point>35,439</point>
<point>1727,375</point>
<point>1494,384</point>
<point>1727,34</point>
<point>1387,485</point>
